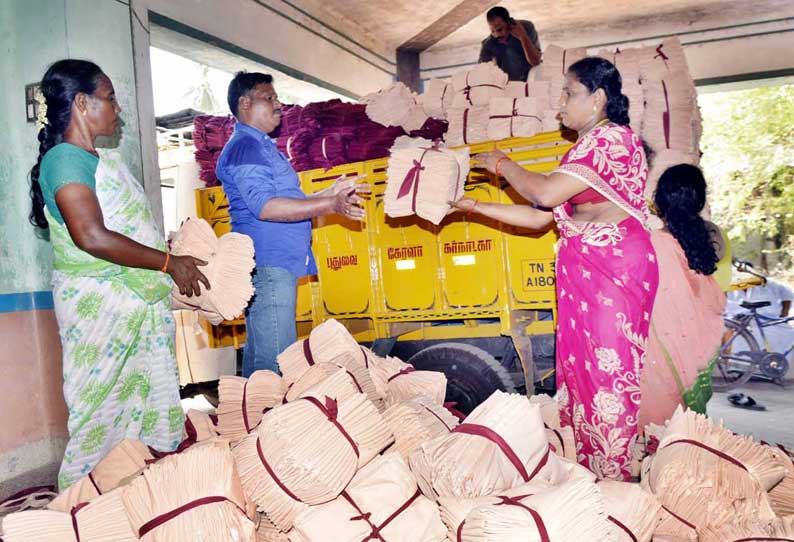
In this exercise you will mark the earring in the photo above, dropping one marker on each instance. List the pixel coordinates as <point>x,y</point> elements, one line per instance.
<point>84,112</point>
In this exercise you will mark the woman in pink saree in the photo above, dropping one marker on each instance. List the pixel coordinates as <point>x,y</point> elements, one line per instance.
<point>606,266</point>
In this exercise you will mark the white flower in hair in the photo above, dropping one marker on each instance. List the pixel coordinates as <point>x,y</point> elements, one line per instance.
<point>41,114</point>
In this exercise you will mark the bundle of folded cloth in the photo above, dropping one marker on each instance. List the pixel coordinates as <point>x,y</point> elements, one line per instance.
<point>514,117</point>
<point>556,62</point>
<point>423,177</point>
<point>243,402</point>
<point>560,437</point>
<point>210,134</point>
<point>230,261</point>
<point>437,98</point>
<point>468,125</point>
<point>395,105</point>
<point>478,86</point>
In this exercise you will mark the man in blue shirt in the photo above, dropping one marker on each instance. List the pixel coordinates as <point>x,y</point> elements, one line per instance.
<point>267,204</point>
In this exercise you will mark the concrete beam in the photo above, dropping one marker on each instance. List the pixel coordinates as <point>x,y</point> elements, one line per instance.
<point>448,23</point>
<point>408,69</point>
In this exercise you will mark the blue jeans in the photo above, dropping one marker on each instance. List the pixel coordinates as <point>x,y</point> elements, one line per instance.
<point>269,319</point>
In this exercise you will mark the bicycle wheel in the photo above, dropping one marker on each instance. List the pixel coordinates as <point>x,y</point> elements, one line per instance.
<point>738,356</point>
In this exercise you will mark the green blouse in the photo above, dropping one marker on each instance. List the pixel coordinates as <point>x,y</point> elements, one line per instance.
<point>65,164</point>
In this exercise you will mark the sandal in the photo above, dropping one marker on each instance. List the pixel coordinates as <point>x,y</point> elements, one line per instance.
<point>745,401</point>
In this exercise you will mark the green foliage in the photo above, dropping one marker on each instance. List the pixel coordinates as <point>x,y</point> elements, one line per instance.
<point>748,159</point>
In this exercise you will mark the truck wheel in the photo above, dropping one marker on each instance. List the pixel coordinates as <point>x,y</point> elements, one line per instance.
<point>472,373</point>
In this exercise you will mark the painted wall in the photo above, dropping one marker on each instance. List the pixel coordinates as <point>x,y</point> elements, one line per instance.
<point>34,34</point>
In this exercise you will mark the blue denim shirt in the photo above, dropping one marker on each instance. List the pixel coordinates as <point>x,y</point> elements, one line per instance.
<point>252,172</point>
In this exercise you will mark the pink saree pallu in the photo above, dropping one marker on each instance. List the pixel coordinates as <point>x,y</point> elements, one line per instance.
<point>607,278</point>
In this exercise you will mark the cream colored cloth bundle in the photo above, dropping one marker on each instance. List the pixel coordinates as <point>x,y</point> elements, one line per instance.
<point>230,261</point>
<point>199,426</point>
<point>423,178</point>
<point>551,122</point>
<point>330,342</point>
<point>556,62</point>
<point>501,444</point>
<point>455,509</point>
<point>243,401</point>
<point>633,510</point>
<point>415,421</point>
<point>437,98</point>
<point>478,86</point>
<point>660,162</point>
<point>267,532</point>
<point>561,438</point>
<point>395,105</point>
<point>324,380</point>
<point>670,106</point>
<point>403,382</point>
<point>101,520</point>
<point>305,453</point>
<point>627,62</point>
<point>381,502</point>
<point>126,460</point>
<point>720,471</point>
<point>571,512</point>
<point>659,61</point>
<point>467,125</point>
<point>514,117</point>
<point>779,530</point>
<point>781,497</point>
<point>193,495</point>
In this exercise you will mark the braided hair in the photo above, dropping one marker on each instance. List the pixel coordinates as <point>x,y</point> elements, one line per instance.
<point>61,83</point>
<point>680,197</point>
<point>595,72</point>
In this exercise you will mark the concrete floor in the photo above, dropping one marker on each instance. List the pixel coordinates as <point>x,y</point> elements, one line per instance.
<point>775,425</point>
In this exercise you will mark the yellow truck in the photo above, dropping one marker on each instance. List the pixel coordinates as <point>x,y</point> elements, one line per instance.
<point>471,297</point>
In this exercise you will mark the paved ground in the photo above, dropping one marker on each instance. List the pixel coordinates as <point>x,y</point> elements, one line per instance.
<point>776,424</point>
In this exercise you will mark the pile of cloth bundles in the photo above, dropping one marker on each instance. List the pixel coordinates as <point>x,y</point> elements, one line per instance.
<point>423,177</point>
<point>331,150</point>
<point>330,342</point>
<point>305,452</point>
<point>556,62</point>
<point>778,530</point>
<point>400,381</point>
<point>571,512</point>
<point>704,475</point>
<point>103,519</point>
<point>437,98</point>
<point>468,125</point>
<point>382,502</point>
<point>560,438</point>
<point>514,117</point>
<point>539,90</point>
<point>627,62</point>
<point>500,445</point>
<point>243,402</point>
<point>199,426</point>
<point>660,162</point>
<point>633,510</point>
<point>478,86</point>
<point>356,379</point>
<point>126,460</point>
<point>781,497</point>
<point>297,148</point>
<point>210,134</point>
<point>230,261</point>
<point>433,129</point>
<point>657,62</point>
<point>416,420</point>
<point>669,120</point>
<point>395,105</point>
<point>197,491</point>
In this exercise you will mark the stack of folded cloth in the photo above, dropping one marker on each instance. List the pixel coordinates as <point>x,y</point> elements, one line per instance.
<point>382,502</point>
<point>433,129</point>
<point>200,426</point>
<point>659,61</point>
<point>781,497</point>
<point>501,444</point>
<point>400,381</point>
<point>330,342</point>
<point>210,134</point>
<point>415,421</point>
<point>103,519</point>
<point>701,471</point>
<point>395,105</point>
<point>670,105</point>
<point>197,491</point>
<point>468,125</point>
<point>633,510</point>
<point>514,117</point>
<point>478,86</point>
<point>561,438</point>
<point>556,62</point>
<point>423,177</point>
<point>660,162</point>
<point>627,62</point>
<point>125,461</point>
<point>305,452</point>
<point>437,98</point>
<point>230,261</point>
<point>571,512</point>
<point>297,148</point>
<point>316,380</point>
<point>328,151</point>
<point>778,530</point>
<point>243,402</point>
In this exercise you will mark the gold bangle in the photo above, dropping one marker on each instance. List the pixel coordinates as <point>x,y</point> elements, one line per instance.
<point>165,265</point>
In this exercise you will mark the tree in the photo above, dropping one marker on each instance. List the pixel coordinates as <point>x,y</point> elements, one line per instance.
<point>748,159</point>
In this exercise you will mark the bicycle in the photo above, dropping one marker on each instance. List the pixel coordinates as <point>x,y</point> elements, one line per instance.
<point>735,368</point>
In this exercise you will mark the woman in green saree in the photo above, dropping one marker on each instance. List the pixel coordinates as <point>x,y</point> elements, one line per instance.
<point>110,281</point>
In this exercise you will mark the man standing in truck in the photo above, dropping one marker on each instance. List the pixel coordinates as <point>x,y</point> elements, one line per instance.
<point>513,44</point>
<point>267,204</point>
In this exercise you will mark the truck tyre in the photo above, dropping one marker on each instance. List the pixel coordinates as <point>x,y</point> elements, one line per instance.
<point>472,373</point>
